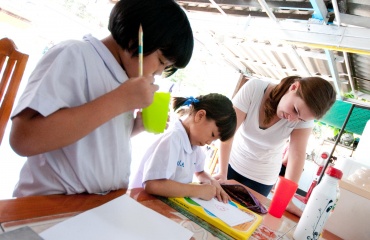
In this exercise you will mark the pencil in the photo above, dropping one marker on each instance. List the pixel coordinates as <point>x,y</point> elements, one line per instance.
<point>140,51</point>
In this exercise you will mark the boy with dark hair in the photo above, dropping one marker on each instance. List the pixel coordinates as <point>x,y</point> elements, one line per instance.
<point>76,116</point>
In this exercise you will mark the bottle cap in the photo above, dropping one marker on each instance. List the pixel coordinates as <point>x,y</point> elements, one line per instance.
<point>324,155</point>
<point>334,172</point>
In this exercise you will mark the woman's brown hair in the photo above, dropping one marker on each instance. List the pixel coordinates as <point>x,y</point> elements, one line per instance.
<point>316,92</point>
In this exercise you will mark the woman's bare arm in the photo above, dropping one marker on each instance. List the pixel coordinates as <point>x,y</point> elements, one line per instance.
<point>225,149</point>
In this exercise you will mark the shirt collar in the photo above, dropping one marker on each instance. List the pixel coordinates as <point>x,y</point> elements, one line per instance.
<point>108,58</point>
<point>184,136</point>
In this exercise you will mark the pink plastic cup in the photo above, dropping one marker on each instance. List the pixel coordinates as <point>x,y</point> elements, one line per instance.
<point>284,192</point>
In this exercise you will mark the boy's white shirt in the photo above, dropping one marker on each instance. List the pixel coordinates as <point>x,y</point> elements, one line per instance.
<point>69,75</point>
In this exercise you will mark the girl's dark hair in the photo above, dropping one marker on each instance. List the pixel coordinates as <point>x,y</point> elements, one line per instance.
<point>165,27</point>
<point>218,108</point>
<point>316,92</point>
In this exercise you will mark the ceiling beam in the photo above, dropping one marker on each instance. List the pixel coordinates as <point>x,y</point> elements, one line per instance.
<point>354,20</point>
<point>266,8</point>
<point>300,63</point>
<point>334,73</point>
<point>247,12</point>
<point>251,3</point>
<point>282,9</point>
<point>321,12</point>
<point>340,38</point>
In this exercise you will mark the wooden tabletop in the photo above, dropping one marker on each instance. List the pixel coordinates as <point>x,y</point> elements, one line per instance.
<point>40,206</point>
<point>22,211</point>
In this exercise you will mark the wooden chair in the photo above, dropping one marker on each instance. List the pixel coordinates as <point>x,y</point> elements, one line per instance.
<point>14,63</point>
<point>212,160</point>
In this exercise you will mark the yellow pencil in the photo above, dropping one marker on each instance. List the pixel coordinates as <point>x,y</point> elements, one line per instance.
<point>140,51</point>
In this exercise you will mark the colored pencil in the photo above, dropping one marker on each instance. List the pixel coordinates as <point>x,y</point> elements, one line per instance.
<point>140,51</point>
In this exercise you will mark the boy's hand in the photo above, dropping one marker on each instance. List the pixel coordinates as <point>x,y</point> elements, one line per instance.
<point>139,92</point>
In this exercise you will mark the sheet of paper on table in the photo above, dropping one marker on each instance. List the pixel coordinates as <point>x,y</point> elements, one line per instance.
<point>20,233</point>
<point>121,218</point>
<point>229,214</point>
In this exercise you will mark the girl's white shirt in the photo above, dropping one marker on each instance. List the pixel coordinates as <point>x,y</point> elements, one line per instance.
<point>171,156</point>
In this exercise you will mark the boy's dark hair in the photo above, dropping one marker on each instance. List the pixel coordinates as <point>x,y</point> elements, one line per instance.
<point>218,108</point>
<point>165,26</point>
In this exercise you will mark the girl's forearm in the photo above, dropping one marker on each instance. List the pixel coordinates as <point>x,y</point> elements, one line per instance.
<point>170,188</point>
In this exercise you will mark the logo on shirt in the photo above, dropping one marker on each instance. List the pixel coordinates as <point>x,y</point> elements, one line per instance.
<point>180,163</point>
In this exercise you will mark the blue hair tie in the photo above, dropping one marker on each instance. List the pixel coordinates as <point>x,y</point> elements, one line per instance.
<point>190,100</point>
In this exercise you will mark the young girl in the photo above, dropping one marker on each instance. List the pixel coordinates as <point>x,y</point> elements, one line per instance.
<point>168,166</point>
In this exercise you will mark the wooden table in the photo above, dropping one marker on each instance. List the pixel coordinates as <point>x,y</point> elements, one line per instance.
<point>42,212</point>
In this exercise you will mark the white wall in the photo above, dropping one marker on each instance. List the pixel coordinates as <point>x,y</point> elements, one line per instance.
<point>350,219</point>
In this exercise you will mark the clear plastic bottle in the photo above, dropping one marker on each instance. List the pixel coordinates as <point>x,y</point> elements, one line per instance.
<point>321,203</point>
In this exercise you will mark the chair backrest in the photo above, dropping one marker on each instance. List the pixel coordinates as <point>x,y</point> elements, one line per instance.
<point>212,159</point>
<point>12,65</point>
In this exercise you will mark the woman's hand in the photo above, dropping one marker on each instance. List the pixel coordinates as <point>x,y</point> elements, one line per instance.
<point>293,209</point>
<point>221,178</point>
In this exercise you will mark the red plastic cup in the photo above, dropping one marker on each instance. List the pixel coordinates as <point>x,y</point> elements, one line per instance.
<point>284,192</point>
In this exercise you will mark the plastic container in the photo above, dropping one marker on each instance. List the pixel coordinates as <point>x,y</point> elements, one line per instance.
<point>284,192</point>
<point>156,114</point>
<point>321,203</point>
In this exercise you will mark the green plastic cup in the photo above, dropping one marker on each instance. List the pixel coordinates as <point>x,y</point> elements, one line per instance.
<point>156,114</point>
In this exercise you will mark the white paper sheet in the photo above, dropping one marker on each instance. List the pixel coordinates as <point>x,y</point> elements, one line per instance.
<point>121,218</point>
<point>228,213</point>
